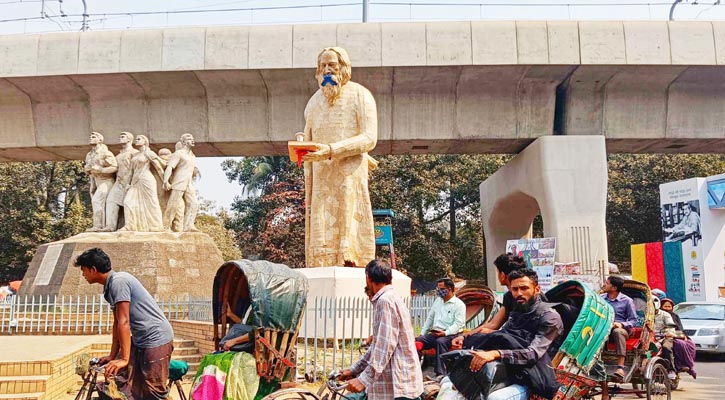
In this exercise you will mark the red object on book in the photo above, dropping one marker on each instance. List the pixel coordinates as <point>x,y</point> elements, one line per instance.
<point>300,153</point>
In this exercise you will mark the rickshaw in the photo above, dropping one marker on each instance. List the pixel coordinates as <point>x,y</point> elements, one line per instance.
<point>481,306</point>
<point>276,297</point>
<point>480,302</point>
<point>645,370</point>
<point>587,321</point>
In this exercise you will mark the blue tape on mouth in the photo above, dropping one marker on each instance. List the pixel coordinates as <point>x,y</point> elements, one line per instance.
<point>328,79</point>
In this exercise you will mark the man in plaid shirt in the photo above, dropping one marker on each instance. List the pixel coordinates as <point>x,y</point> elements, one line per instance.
<point>390,369</point>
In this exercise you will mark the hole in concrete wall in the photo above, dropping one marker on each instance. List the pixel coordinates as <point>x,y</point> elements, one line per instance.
<point>420,147</point>
<point>675,146</point>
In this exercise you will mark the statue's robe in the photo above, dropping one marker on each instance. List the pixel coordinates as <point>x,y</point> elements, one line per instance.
<point>338,214</point>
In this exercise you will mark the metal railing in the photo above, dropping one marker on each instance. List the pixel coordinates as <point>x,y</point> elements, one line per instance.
<point>87,314</point>
<point>331,330</point>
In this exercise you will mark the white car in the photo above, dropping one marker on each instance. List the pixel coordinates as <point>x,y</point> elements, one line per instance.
<point>704,323</point>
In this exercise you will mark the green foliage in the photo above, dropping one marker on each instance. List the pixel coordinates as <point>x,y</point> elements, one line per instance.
<point>39,203</point>
<point>429,194</point>
<point>437,229</point>
<point>270,221</point>
<point>633,207</point>
<point>213,225</point>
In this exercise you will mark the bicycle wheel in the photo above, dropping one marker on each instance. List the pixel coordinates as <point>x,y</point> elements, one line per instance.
<point>658,388</point>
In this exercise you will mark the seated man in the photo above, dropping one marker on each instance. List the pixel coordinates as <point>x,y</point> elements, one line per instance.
<point>688,227</point>
<point>505,264</point>
<point>446,318</point>
<point>522,345</point>
<point>240,336</point>
<point>238,339</point>
<point>625,318</point>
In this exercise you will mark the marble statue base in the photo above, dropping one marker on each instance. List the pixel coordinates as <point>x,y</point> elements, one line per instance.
<point>166,263</point>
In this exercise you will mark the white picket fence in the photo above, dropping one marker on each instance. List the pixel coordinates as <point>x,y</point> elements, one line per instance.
<point>331,330</point>
<point>88,314</point>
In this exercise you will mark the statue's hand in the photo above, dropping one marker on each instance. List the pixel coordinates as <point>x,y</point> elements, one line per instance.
<point>167,185</point>
<point>320,155</point>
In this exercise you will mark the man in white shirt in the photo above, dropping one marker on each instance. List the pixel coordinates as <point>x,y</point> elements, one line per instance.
<point>445,319</point>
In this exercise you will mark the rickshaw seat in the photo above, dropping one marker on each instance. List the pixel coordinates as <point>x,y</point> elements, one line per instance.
<point>632,342</point>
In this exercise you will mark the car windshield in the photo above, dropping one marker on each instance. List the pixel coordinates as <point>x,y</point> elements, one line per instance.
<point>701,311</point>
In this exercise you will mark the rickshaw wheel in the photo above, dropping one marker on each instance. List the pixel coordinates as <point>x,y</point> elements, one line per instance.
<point>658,387</point>
<point>291,394</point>
<point>674,383</point>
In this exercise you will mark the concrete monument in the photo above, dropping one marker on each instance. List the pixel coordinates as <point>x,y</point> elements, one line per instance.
<point>178,177</point>
<point>114,201</point>
<point>141,204</point>
<point>341,122</point>
<point>101,166</point>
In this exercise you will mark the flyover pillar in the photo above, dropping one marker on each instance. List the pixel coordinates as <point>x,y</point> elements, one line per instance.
<point>565,179</point>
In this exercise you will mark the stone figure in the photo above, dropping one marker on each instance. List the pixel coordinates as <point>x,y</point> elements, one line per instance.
<point>141,204</point>
<point>164,155</point>
<point>101,166</point>
<point>114,202</point>
<point>178,177</point>
<point>341,119</point>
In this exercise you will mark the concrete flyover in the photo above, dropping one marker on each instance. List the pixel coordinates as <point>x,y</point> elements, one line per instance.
<point>443,87</point>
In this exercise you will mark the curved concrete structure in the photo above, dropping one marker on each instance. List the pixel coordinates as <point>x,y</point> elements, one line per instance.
<point>564,178</point>
<point>441,87</point>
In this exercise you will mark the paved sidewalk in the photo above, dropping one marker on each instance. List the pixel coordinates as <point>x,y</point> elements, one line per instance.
<point>42,348</point>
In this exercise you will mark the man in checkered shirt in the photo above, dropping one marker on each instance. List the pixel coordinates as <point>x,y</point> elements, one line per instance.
<point>390,369</point>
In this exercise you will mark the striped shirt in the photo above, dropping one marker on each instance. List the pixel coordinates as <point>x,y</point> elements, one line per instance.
<point>390,368</point>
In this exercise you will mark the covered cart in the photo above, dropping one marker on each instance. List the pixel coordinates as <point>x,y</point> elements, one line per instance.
<point>275,297</point>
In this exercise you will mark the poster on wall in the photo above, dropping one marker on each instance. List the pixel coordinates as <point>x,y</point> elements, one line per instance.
<point>538,252</point>
<point>680,211</point>
<point>593,282</point>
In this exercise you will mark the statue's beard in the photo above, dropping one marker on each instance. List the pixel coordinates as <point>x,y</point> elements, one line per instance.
<point>331,92</point>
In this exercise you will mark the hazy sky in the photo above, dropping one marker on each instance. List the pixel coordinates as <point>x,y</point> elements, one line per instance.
<point>34,16</point>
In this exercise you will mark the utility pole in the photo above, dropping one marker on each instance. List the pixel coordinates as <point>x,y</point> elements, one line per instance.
<point>365,4</point>
<point>84,26</point>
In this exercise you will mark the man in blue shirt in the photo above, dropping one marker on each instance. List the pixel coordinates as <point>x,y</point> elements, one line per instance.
<point>625,318</point>
<point>446,318</point>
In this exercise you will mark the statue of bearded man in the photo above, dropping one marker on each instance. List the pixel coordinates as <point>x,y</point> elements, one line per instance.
<point>341,119</point>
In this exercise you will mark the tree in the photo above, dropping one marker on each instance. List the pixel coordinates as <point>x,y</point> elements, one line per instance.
<point>633,204</point>
<point>213,225</point>
<point>437,229</point>
<point>269,221</point>
<point>39,203</point>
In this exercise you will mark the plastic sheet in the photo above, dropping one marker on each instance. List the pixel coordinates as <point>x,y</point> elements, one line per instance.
<point>277,293</point>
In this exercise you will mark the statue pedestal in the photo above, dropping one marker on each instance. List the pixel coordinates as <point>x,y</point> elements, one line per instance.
<point>344,286</point>
<point>166,263</point>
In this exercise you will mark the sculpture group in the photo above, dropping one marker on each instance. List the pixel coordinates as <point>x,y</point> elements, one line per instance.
<point>154,191</point>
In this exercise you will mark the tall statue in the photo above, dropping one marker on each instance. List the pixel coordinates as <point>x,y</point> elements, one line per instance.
<point>141,205</point>
<point>101,166</point>
<point>341,120</point>
<point>180,171</point>
<point>114,202</point>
